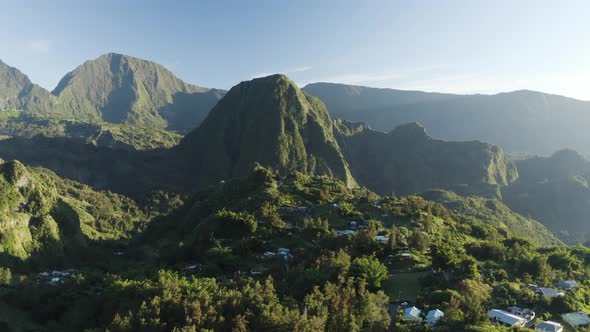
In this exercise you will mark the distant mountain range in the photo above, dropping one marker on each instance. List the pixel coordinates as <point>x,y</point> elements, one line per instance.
<point>121,89</point>
<point>271,122</point>
<point>520,122</point>
<point>94,127</point>
<point>113,88</point>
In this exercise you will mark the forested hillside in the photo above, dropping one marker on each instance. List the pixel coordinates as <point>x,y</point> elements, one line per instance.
<point>268,251</point>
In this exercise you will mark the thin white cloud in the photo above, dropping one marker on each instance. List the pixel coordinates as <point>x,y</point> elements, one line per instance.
<point>382,79</point>
<point>298,70</point>
<point>358,78</point>
<point>286,72</point>
<point>40,45</point>
<point>261,75</point>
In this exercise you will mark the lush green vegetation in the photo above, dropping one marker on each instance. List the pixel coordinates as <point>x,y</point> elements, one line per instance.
<point>46,221</point>
<point>27,124</point>
<point>215,262</point>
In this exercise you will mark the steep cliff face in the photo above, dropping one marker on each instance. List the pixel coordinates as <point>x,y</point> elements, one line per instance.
<point>406,160</point>
<point>555,191</point>
<point>267,121</point>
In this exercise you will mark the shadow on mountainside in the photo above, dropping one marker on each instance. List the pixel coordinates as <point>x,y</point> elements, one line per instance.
<point>129,172</point>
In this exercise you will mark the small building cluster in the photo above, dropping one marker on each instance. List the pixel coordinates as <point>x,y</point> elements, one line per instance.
<point>345,232</point>
<point>382,239</point>
<point>404,252</point>
<point>54,277</point>
<point>506,318</point>
<point>514,317</point>
<point>281,252</point>
<point>413,314</point>
<point>561,288</point>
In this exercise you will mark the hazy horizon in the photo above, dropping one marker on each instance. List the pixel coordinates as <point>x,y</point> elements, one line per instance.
<point>449,47</point>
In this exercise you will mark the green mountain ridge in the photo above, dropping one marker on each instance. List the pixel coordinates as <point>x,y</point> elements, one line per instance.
<point>18,92</point>
<point>267,121</point>
<point>118,88</point>
<point>113,88</point>
<point>520,122</point>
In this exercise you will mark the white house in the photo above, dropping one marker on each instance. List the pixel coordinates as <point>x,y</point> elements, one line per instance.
<point>434,316</point>
<point>382,238</point>
<point>576,319</point>
<point>345,232</point>
<point>55,281</point>
<point>412,314</point>
<point>527,314</point>
<point>269,254</point>
<point>549,292</point>
<point>506,318</point>
<point>549,326</point>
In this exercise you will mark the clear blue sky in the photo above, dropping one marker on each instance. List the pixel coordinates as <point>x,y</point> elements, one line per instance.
<point>449,46</point>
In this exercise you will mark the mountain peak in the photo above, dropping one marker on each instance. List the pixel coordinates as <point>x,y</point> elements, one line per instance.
<point>18,92</point>
<point>270,121</point>
<point>412,130</point>
<point>119,88</point>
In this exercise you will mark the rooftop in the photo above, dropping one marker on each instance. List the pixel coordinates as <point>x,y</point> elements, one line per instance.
<point>576,318</point>
<point>549,326</point>
<point>505,317</point>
